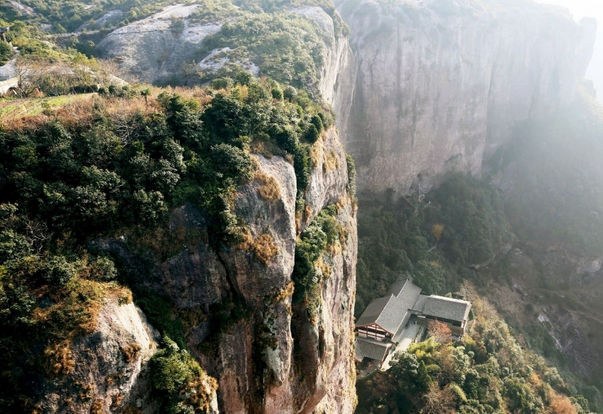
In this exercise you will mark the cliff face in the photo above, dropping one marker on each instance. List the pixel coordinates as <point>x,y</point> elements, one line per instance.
<point>151,49</point>
<point>437,85</point>
<point>236,305</point>
<point>108,367</point>
<point>275,359</point>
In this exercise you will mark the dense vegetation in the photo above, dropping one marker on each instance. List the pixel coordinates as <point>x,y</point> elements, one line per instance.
<point>322,235</point>
<point>32,45</point>
<point>489,371</point>
<point>115,164</point>
<point>285,46</point>
<point>548,195</point>
<point>435,239</point>
<point>69,16</point>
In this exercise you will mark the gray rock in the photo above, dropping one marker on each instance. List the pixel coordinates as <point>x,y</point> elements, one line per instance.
<point>438,85</point>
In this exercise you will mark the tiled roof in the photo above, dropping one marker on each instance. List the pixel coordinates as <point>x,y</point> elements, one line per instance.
<point>420,303</point>
<point>391,312</point>
<point>372,311</point>
<point>366,348</point>
<point>446,308</point>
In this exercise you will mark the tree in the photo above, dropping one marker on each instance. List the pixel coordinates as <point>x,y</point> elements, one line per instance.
<point>438,401</point>
<point>560,404</point>
<point>6,52</point>
<point>439,331</point>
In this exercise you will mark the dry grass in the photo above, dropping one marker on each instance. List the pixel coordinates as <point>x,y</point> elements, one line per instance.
<point>307,213</point>
<point>331,162</point>
<point>35,106</point>
<point>59,359</point>
<point>205,386</point>
<point>78,110</point>
<point>124,296</point>
<point>246,242</point>
<point>316,154</point>
<point>131,352</point>
<point>98,407</point>
<point>269,189</point>
<point>325,269</point>
<point>117,400</point>
<point>265,248</point>
<point>298,221</point>
<point>284,293</point>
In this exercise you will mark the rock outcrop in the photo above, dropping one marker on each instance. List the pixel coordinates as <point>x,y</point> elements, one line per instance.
<point>155,48</point>
<point>239,318</point>
<point>437,85</point>
<point>107,369</point>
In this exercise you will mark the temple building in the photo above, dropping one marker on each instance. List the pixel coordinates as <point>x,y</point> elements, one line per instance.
<point>385,321</point>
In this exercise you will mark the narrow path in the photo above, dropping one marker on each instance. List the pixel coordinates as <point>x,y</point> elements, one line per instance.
<point>407,338</point>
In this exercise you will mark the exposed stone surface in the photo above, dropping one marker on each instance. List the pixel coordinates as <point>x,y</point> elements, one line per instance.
<point>153,49</point>
<point>102,372</point>
<point>438,84</point>
<point>267,355</point>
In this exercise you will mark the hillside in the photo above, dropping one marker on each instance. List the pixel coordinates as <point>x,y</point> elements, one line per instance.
<point>488,371</point>
<point>157,199</point>
<point>178,213</point>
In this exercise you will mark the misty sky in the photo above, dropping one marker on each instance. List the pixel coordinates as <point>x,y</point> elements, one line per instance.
<point>591,8</point>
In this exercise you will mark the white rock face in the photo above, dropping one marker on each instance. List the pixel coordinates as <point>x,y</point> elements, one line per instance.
<point>150,50</point>
<point>438,84</point>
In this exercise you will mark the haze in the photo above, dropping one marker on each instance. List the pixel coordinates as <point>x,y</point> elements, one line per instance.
<point>590,8</point>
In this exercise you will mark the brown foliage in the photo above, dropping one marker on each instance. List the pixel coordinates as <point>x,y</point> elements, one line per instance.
<point>97,407</point>
<point>438,401</point>
<point>269,189</point>
<point>560,404</point>
<point>58,359</point>
<point>264,248</point>
<point>437,230</point>
<point>439,331</point>
<point>331,162</point>
<point>131,352</point>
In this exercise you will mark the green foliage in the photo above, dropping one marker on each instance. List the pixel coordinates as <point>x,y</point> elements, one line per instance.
<point>351,187</point>
<point>6,52</point>
<point>398,239</point>
<point>472,213</point>
<point>179,382</point>
<point>114,165</point>
<point>323,233</point>
<point>287,47</point>
<point>68,16</point>
<point>485,372</point>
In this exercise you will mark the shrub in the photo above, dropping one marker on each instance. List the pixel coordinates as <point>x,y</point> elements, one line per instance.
<point>58,271</point>
<point>312,134</point>
<point>265,248</point>
<point>6,52</point>
<point>179,381</point>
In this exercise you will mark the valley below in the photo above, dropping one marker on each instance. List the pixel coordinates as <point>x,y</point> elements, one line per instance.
<point>198,199</point>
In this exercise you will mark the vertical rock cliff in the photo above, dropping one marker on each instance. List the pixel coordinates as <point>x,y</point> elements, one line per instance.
<point>270,351</point>
<point>437,85</point>
<point>277,358</point>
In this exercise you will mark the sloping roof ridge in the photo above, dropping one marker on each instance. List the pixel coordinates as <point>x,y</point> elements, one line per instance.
<point>448,299</point>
